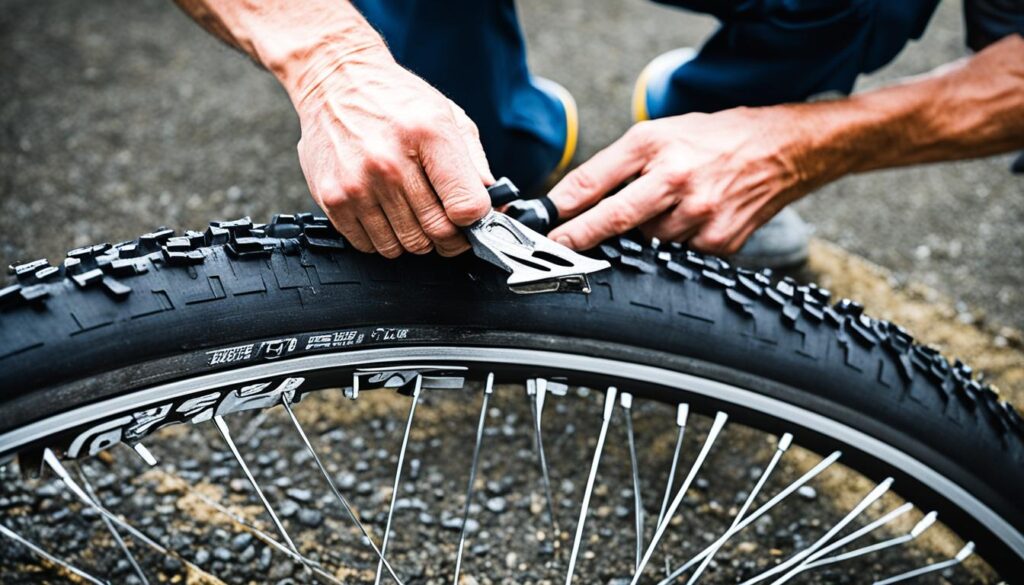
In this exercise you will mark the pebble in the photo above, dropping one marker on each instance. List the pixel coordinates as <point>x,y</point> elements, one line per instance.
<point>346,480</point>
<point>287,509</point>
<point>310,518</point>
<point>241,541</point>
<point>300,495</point>
<point>497,505</point>
<point>807,492</point>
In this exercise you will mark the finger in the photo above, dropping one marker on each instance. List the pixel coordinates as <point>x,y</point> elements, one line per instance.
<point>426,206</point>
<point>352,230</point>
<point>471,138</point>
<point>606,170</point>
<point>378,228</point>
<point>726,233</point>
<point>455,179</point>
<point>680,223</point>
<point>404,223</point>
<point>655,228</point>
<point>638,202</point>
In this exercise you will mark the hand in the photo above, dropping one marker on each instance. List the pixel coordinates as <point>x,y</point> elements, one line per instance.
<point>394,164</point>
<point>710,179</point>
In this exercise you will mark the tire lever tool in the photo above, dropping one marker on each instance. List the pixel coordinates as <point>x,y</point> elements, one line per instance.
<point>536,263</point>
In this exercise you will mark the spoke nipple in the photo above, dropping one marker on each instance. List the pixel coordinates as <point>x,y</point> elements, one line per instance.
<point>682,412</point>
<point>626,400</point>
<point>924,524</point>
<point>353,392</point>
<point>965,552</point>
<point>145,454</point>
<point>785,442</point>
<point>490,383</point>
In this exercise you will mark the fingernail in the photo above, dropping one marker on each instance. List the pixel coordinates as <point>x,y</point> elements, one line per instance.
<point>564,240</point>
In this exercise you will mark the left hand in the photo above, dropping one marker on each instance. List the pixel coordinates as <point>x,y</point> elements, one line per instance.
<point>710,179</point>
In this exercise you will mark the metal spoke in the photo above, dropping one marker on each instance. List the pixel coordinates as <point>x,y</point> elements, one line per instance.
<point>816,559</point>
<point>113,529</point>
<point>965,552</point>
<point>761,511</point>
<point>626,400</point>
<point>682,412</point>
<point>780,450</point>
<point>226,433</point>
<point>488,389</point>
<point>869,499</point>
<point>609,405</point>
<point>716,428</point>
<point>536,391</point>
<point>5,531</point>
<point>398,476</point>
<point>337,493</point>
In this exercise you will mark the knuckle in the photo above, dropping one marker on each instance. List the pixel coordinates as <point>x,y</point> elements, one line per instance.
<point>464,205</point>
<point>424,122</point>
<point>715,241</point>
<point>437,226</point>
<point>390,250</point>
<point>384,165</point>
<point>416,243</point>
<point>333,199</point>
<point>639,134</point>
<point>581,181</point>
<point>702,207</point>
<point>677,178</point>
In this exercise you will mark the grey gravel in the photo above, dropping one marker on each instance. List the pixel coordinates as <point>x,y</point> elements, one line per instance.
<point>311,518</point>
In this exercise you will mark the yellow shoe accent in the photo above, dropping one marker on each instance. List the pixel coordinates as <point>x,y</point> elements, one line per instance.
<point>659,67</point>
<point>640,113</point>
<point>572,121</point>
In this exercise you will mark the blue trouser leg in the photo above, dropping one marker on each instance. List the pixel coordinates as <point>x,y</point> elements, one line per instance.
<point>774,51</point>
<point>473,51</point>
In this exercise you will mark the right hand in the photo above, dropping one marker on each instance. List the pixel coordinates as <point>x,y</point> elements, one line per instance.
<point>394,164</point>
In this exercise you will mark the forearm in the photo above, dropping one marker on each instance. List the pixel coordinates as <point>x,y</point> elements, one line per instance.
<point>965,110</point>
<point>298,42</point>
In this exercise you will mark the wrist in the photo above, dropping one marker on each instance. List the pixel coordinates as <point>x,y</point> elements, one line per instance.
<point>828,140</point>
<point>302,72</point>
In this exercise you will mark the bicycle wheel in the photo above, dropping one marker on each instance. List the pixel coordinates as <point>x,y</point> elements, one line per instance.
<point>120,341</point>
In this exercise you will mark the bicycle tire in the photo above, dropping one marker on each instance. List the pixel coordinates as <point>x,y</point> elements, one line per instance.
<point>113,320</point>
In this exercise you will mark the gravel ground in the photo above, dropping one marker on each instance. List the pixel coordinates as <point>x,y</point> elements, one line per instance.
<point>510,538</point>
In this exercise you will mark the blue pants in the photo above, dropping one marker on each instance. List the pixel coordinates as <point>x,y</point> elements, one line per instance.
<point>765,52</point>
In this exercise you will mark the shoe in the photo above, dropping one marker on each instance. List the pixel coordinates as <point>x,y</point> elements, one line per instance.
<point>1017,167</point>
<point>540,147</point>
<point>653,85</point>
<point>780,243</point>
<point>572,120</point>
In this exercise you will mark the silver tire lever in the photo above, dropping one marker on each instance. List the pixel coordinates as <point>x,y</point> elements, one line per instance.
<point>536,263</point>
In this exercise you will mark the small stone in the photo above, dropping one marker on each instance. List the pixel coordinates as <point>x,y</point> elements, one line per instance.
<point>310,518</point>
<point>222,554</point>
<point>346,481</point>
<point>300,495</point>
<point>497,505</point>
<point>241,542</point>
<point>807,492</point>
